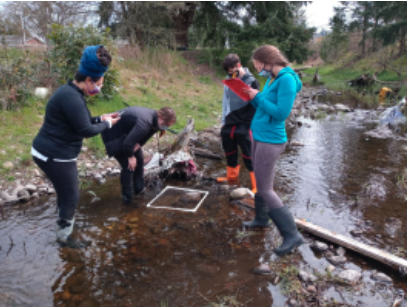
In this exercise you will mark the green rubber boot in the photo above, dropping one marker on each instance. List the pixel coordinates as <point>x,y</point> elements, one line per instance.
<point>261,218</point>
<point>285,223</point>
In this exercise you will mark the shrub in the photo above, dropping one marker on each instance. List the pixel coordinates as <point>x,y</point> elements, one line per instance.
<point>68,43</point>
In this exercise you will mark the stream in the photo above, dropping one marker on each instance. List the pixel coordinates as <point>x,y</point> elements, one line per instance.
<point>340,179</point>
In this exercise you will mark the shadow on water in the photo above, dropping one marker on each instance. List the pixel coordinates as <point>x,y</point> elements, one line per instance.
<point>142,256</point>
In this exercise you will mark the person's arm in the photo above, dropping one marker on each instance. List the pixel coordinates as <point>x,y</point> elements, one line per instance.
<point>77,114</point>
<point>285,99</point>
<point>140,129</point>
<point>224,105</point>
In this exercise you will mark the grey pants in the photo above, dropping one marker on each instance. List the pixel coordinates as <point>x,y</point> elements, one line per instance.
<point>264,158</point>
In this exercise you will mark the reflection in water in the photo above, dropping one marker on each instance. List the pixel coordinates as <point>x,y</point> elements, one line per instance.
<point>142,257</point>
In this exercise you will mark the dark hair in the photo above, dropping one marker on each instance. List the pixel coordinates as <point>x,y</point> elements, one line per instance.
<point>81,77</point>
<point>104,59</point>
<point>230,61</point>
<point>167,114</point>
<point>104,56</point>
<point>269,54</point>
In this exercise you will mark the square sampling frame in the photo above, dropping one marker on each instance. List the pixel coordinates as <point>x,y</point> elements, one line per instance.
<point>150,204</point>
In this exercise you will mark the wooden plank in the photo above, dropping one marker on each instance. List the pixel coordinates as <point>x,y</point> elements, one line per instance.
<point>364,249</point>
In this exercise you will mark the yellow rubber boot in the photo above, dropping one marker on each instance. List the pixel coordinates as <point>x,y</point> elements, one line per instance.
<point>232,173</point>
<point>253,180</point>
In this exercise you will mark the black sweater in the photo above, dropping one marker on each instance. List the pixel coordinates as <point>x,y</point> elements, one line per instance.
<point>137,124</point>
<point>67,121</point>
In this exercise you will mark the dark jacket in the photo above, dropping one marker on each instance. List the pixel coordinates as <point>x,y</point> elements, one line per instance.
<point>235,110</point>
<point>136,126</point>
<point>67,121</point>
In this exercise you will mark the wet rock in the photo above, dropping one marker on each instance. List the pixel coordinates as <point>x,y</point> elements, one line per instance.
<point>8,165</point>
<point>36,173</point>
<point>121,292</point>
<point>350,276</point>
<point>393,226</point>
<point>336,260</point>
<point>340,251</point>
<point>241,193</point>
<point>292,302</point>
<point>7,197</point>
<point>311,289</point>
<point>381,277</point>
<point>381,132</point>
<point>30,188</point>
<point>115,171</point>
<point>35,195</point>
<point>305,276</point>
<point>208,269</point>
<point>51,190</point>
<point>356,232</point>
<point>78,288</point>
<point>98,176</point>
<point>319,246</point>
<point>191,197</point>
<point>341,108</point>
<point>77,298</point>
<point>23,195</point>
<point>262,269</point>
<point>330,268</point>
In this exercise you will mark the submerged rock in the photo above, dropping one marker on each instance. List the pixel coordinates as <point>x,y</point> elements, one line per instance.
<point>241,193</point>
<point>350,276</point>
<point>336,260</point>
<point>340,251</point>
<point>191,197</point>
<point>356,232</point>
<point>381,277</point>
<point>263,269</point>
<point>319,246</point>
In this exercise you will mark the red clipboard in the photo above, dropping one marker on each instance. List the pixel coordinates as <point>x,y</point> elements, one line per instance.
<point>238,87</point>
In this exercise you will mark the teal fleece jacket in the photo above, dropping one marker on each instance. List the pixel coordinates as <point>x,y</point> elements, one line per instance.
<point>273,105</point>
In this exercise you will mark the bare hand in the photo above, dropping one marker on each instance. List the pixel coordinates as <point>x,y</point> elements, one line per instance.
<point>132,163</point>
<point>112,115</point>
<point>252,93</point>
<point>111,118</point>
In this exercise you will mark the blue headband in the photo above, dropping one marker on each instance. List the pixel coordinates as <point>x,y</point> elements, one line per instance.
<point>90,65</point>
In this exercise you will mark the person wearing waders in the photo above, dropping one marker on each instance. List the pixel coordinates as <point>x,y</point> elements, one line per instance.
<point>237,115</point>
<point>273,105</point>
<point>67,122</point>
<point>125,140</point>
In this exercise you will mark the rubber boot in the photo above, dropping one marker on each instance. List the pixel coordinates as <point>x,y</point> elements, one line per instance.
<point>64,229</point>
<point>261,219</point>
<point>232,173</point>
<point>253,180</point>
<point>127,194</point>
<point>285,223</point>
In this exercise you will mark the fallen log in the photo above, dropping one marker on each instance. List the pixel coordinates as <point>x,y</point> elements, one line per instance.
<point>356,246</point>
<point>364,249</point>
<point>206,153</point>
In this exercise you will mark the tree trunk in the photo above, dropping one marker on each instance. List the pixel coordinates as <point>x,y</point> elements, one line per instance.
<point>402,48</point>
<point>182,22</point>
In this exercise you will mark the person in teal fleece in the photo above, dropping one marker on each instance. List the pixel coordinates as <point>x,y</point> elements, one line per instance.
<point>273,106</point>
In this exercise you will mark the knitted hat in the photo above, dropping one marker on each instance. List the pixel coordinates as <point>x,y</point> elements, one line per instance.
<point>90,65</point>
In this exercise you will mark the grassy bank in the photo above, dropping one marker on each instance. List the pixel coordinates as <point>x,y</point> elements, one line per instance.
<point>335,76</point>
<point>153,79</point>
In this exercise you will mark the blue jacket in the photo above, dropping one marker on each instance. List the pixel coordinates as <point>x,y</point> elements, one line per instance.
<point>273,105</point>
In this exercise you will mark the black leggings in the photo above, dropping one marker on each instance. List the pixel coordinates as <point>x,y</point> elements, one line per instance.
<point>64,177</point>
<point>234,137</point>
<point>127,176</point>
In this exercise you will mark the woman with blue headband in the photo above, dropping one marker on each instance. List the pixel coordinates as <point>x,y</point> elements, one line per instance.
<point>67,122</point>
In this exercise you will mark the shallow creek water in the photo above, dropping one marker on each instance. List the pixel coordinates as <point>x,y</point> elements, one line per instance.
<point>340,180</point>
